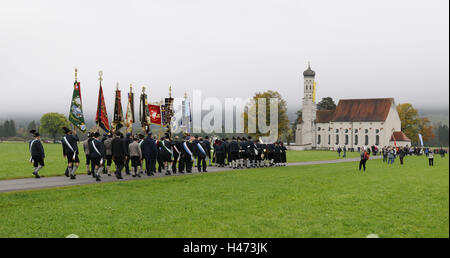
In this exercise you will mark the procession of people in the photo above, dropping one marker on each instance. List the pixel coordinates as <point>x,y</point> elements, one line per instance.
<point>144,152</point>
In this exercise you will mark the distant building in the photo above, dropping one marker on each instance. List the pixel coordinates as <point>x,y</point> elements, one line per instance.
<point>354,123</point>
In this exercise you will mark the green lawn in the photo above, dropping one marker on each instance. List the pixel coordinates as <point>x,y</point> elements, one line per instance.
<point>313,155</point>
<point>333,200</point>
<point>14,158</point>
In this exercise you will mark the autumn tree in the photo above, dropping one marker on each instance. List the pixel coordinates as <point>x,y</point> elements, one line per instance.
<point>52,123</point>
<point>283,121</point>
<point>412,124</point>
<point>425,129</point>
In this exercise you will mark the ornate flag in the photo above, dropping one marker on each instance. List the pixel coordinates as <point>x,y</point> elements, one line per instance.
<point>118,114</point>
<point>186,118</point>
<point>144,113</point>
<point>129,117</point>
<point>169,110</point>
<point>163,115</point>
<point>155,114</point>
<point>102,117</point>
<point>76,116</point>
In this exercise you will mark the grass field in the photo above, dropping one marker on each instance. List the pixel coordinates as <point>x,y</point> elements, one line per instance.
<point>14,158</point>
<point>333,200</point>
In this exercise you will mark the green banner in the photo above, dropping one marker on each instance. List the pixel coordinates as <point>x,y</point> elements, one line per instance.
<point>76,116</point>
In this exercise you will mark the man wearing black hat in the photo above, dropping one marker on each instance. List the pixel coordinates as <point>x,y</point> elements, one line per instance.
<point>36,152</point>
<point>98,155</point>
<point>200,153</point>
<point>283,153</point>
<point>149,152</point>
<point>119,153</point>
<point>70,151</point>
<point>277,154</point>
<point>135,153</point>
<point>234,152</point>
<point>181,164</point>
<point>159,155</point>
<point>166,153</point>
<point>207,145</point>
<point>141,141</point>
<point>87,153</point>
<point>187,155</point>
<point>108,150</point>
<point>128,141</point>
<point>220,153</point>
<point>176,154</point>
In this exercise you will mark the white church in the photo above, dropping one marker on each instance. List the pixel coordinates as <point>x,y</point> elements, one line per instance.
<point>355,123</point>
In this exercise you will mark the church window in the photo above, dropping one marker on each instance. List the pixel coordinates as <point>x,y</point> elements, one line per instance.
<point>366,131</point>
<point>366,140</point>
<point>377,140</point>
<point>377,130</point>
<point>356,139</point>
<point>318,129</point>
<point>337,139</point>
<point>337,130</point>
<point>356,130</point>
<point>318,139</point>
<point>346,130</point>
<point>346,139</point>
<point>329,139</point>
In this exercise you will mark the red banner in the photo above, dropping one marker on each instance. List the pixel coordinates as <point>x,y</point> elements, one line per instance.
<point>155,114</point>
<point>102,117</point>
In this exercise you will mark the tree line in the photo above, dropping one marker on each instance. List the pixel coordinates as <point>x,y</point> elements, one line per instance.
<point>8,129</point>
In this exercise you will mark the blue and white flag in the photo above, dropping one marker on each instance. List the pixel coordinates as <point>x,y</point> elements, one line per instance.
<point>421,140</point>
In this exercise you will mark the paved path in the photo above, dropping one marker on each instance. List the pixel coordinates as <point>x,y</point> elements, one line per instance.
<point>57,181</point>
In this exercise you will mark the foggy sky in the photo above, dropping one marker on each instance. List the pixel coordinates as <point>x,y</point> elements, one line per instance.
<point>359,49</point>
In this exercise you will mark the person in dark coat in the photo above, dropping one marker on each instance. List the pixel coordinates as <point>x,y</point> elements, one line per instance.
<point>70,151</point>
<point>207,145</point>
<point>166,153</point>
<point>283,153</point>
<point>220,153</point>
<point>187,154</point>
<point>243,146</point>
<point>179,147</point>
<point>158,156</point>
<point>149,152</point>
<point>119,153</point>
<point>234,153</point>
<point>271,153</point>
<point>98,155</point>
<point>176,153</point>
<point>200,153</point>
<point>401,155</point>
<point>277,154</point>
<point>227,151</point>
<point>37,153</point>
<point>128,140</point>
<point>259,155</point>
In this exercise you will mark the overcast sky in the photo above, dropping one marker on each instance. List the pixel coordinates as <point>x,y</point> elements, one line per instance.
<point>228,48</point>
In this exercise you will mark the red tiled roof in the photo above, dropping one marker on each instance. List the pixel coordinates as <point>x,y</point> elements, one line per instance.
<point>399,137</point>
<point>362,110</point>
<point>324,116</point>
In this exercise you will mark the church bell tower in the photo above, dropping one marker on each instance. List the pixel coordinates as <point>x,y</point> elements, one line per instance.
<point>305,130</point>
